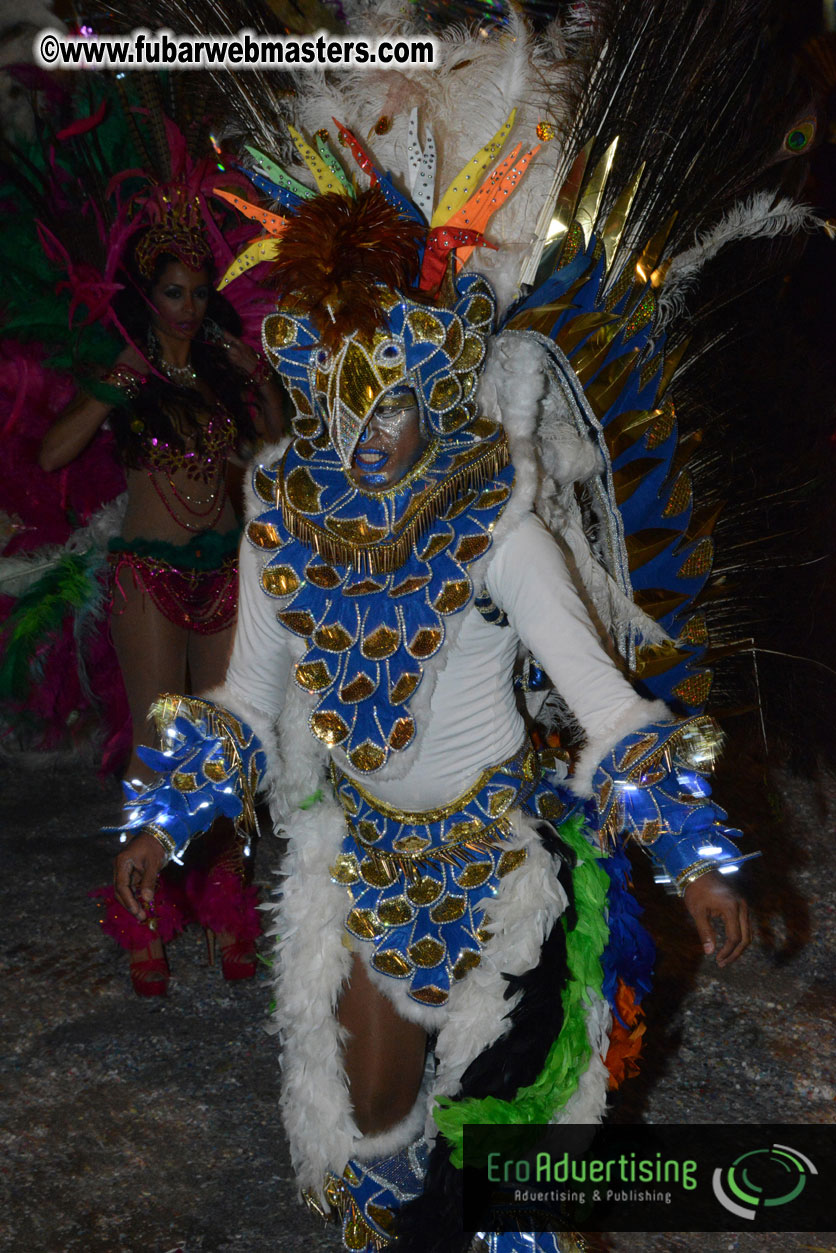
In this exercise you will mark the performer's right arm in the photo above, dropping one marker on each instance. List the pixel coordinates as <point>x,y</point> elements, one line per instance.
<point>73,429</point>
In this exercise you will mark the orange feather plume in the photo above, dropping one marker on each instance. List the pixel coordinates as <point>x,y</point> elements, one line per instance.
<point>334,254</point>
<point>622,1058</point>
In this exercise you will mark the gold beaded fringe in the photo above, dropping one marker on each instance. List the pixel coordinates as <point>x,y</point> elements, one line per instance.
<point>375,557</point>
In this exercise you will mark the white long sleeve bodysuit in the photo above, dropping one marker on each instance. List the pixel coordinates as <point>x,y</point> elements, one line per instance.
<point>467,721</point>
<point>473,721</point>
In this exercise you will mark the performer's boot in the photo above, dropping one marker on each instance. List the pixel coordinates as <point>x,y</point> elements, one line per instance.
<point>369,1194</point>
<point>531,1242</point>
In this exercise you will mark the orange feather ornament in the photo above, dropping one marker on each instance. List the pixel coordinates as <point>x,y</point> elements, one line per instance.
<point>625,1046</point>
<point>335,254</point>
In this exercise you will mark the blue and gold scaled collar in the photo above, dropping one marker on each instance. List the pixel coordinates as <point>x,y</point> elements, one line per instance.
<point>368,579</point>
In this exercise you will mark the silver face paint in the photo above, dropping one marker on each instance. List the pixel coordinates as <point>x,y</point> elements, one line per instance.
<point>391,443</point>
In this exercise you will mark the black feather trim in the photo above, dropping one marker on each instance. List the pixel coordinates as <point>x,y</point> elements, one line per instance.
<point>432,1222</point>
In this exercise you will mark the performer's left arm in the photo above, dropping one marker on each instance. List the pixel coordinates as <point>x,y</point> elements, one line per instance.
<point>641,766</point>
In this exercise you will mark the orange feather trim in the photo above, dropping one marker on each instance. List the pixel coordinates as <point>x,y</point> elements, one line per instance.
<point>335,254</point>
<point>622,1058</point>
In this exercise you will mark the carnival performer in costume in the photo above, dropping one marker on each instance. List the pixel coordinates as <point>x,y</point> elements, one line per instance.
<point>484,478</point>
<point>185,399</point>
<point>174,566</point>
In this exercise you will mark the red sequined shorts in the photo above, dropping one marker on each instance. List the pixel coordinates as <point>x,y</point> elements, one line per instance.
<point>194,585</point>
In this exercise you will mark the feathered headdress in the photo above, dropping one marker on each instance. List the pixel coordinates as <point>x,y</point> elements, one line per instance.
<point>177,227</point>
<point>455,222</point>
<point>640,179</point>
<point>338,254</point>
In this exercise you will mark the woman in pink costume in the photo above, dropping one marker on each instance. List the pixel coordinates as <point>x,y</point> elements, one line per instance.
<point>187,396</point>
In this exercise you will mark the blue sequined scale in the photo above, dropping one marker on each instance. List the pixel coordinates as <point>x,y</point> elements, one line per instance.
<point>369,633</point>
<point>419,883</point>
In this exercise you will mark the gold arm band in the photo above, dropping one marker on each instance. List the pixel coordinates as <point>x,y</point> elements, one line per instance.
<point>691,873</point>
<point>162,837</point>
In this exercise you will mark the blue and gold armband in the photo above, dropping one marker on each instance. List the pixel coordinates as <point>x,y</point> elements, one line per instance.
<point>652,788</point>
<point>211,766</point>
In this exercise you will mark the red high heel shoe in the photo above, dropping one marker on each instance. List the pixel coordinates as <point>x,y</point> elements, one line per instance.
<point>238,956</point>
<point>227,908</point>
<point>143,941</point>
<point>149,975</point>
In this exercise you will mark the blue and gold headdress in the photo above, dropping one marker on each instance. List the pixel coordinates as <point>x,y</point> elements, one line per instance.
<point>369,303</point>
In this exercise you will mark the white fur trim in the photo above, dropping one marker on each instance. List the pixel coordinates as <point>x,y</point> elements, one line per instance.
<point>303,759</point>
<point>312,964</point>
<point>636,716</point>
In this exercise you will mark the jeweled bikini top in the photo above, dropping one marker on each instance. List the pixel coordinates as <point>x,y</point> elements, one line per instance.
<point>213,441</point>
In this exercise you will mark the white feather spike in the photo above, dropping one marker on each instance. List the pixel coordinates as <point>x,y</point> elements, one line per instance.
<point>422,163</point>
<point>20,571</point>
<point>463,102</point>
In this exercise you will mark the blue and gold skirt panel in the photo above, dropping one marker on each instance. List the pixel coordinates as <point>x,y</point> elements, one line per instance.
<point>417,882</point>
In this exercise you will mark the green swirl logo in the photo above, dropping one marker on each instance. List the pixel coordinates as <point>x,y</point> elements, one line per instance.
<point>762,1178</point>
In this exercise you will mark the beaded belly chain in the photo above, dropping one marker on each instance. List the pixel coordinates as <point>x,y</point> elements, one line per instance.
<point>204,467</point>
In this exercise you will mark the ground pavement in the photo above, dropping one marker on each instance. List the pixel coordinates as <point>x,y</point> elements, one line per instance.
<point>132,1126</point>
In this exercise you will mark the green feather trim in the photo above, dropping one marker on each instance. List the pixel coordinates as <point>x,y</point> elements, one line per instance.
<point>68,588</point>
<point>34,311</point>
<point>35,299</point>
<point>569,1055</point>
<point>206,551</point>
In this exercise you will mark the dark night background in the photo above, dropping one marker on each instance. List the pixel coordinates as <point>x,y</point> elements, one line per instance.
<point>142,1127</point>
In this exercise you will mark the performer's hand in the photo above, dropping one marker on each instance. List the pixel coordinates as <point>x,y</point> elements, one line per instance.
<point>711,897</point>
<point>240,354</point>
<point>135,873</point>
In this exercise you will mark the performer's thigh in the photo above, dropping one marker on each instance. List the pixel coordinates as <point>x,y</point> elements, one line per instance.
<point>152,657</point>
<point>208,658</point>
<point>384,1054</point>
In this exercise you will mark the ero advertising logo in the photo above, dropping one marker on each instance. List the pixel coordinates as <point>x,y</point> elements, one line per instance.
<point>762,1177</point>
<point>662,1177</point>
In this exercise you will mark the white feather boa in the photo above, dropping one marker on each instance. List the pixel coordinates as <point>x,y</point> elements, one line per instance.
<point>313,962</point>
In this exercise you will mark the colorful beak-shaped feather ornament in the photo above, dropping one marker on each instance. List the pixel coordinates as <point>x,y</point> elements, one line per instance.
<point>456,226</point>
